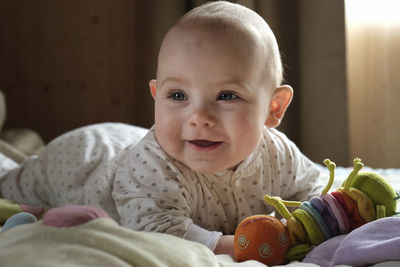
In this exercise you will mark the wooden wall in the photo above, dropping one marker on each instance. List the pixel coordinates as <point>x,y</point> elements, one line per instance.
<point>65,64</point>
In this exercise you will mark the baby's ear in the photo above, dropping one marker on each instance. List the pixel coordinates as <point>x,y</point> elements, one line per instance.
<point>153,87</point>
<point>280,100</point>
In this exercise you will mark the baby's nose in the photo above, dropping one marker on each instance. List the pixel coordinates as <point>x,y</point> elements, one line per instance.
<point>202,117</point>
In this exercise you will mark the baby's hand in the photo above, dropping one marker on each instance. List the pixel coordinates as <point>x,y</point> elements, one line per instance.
<point>225,245</point>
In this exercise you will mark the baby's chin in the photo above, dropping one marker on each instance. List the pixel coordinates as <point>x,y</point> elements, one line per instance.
<point>210,168</point>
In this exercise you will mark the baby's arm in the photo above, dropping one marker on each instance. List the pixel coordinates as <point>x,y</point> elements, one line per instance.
<point>163,208</point>
<point>225,245</point>
<point>152,194</point>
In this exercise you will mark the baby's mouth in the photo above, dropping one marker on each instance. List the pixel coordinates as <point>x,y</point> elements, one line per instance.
<point>204,143</point>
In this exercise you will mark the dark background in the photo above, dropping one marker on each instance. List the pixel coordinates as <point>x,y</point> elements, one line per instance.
<point>66,64</point>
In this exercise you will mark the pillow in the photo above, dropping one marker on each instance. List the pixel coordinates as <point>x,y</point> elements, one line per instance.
<point>6,164</point>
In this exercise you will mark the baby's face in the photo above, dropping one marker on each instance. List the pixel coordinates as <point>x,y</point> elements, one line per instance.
<point>211,103</point>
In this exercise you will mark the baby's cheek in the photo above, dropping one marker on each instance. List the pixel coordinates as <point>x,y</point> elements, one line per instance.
<point>169,139</point>
<point>247,138</point>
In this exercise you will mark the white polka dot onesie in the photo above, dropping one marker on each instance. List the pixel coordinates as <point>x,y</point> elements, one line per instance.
<point>145,189</point>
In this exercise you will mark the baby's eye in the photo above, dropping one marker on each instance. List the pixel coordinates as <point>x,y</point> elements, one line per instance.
<point>179,96</point>
<point>227,96</point>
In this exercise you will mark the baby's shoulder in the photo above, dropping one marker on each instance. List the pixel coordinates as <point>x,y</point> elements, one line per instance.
<point>147,163</point>
<point>275,138</point>
<point>148,155</point>
<point>280,146</point>
<point>148,146</point>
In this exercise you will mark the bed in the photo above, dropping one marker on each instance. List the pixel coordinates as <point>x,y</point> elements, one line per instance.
<point>102,242</point>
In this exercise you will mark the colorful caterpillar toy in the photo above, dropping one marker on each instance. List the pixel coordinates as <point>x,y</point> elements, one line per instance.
<point>363,197</point>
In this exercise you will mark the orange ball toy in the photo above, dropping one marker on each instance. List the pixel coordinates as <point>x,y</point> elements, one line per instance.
<point>263,238</point>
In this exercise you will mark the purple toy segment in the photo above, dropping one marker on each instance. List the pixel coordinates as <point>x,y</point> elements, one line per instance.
<point>72,215</point>
<point>325,211</point>
<point>317,218</point>
<point>339,213</point>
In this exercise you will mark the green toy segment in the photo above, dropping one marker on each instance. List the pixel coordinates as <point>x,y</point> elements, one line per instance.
<point>298,252</point>
<point>377,189</point>
<point>8,208</point>
<point>311,227</point>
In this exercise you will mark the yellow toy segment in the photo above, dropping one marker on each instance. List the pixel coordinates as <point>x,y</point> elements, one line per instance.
<point>296,231</point>
<point>365,206</point>
<point>377,189</point>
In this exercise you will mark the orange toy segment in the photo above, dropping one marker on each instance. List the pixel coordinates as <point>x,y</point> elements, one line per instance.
<point>263,238</point>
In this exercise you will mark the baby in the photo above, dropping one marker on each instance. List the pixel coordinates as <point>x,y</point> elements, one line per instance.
<point>213,152</point>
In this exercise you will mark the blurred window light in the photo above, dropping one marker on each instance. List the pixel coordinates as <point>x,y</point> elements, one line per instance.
<point>373,11</point>
<point>373,66</point>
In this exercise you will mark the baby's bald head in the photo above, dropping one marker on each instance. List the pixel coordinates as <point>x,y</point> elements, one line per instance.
<point>243,27</point>
<point>218,79</point>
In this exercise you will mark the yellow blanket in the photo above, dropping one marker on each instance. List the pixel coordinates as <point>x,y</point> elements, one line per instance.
<point>101,242</point>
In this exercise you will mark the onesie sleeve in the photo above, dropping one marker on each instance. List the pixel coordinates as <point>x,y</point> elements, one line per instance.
<point>153,195</point>
<point>298,175</point>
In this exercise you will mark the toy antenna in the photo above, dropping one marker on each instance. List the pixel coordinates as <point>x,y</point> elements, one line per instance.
<point>331,167</point>
<point>357,167</point>
<point>280,205</point>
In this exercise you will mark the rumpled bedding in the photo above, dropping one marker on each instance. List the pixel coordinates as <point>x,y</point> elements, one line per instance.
<point>102,242</point>
<point>374,242</point>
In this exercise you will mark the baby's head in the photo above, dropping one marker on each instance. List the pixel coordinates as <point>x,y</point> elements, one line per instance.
<point>218,83</point>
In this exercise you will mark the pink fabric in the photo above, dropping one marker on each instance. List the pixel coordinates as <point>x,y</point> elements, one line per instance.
<point>72,215</point>
<point>351,209</point>
<point>37,211</point>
